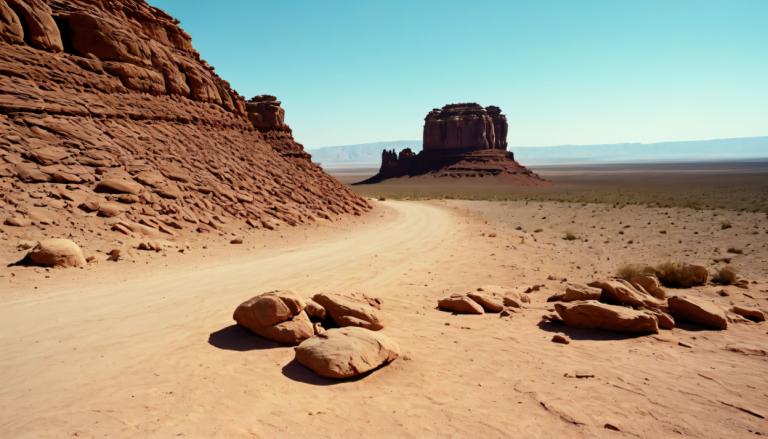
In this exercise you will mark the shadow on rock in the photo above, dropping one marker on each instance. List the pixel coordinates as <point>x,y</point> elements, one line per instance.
<point>295,371</point>
<point>586,334</point>
<point>235,338</point>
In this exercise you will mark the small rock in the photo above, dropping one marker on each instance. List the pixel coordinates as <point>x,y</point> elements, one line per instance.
<point>17,221</point>
<point>236,241</point>
<point>114,255</point>
<point>560,338</point>
<point>753,314</point>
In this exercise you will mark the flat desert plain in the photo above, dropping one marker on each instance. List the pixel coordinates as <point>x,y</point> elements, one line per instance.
<point>146,347</point>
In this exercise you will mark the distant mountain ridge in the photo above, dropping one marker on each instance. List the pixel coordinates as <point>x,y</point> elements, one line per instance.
<point>745,148</point>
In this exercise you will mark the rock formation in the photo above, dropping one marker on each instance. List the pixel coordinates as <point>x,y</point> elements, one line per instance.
<point>106,104</point>
<point>460,140</point>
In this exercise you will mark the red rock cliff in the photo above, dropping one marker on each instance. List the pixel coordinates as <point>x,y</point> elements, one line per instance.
<point>106,102</point>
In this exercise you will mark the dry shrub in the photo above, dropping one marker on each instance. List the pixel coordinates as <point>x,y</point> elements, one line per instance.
<point>680,275</point>
<point>725,276</point>
<point>734,250</point>
<point>629,271</point>
<point>570,236</point>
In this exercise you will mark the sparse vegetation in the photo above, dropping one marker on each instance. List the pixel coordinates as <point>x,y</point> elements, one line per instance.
<point>629,271</point>
<point>725,276</point>
<point>681,275</point>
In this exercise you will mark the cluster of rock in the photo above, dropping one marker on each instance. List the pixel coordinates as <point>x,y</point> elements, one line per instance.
<point>486,299</point>
<point>638,305</point>
<point>107,111</point>
<point>460,140</point>
<point>336,334</point>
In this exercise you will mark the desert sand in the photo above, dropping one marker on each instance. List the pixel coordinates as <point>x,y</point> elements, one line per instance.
<point>148,349</point>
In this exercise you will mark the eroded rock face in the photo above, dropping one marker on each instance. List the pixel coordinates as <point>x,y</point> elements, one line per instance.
<point>106,91</point>
<point>466,126</point>
<point>346,352</point>
<point>595,315</point>
<point>57,252</point>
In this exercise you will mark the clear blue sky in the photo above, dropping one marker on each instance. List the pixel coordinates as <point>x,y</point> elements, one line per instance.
<point>564,72</point>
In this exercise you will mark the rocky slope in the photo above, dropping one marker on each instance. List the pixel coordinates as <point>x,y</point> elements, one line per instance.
<point>460,140</point>
<point>110,119</point>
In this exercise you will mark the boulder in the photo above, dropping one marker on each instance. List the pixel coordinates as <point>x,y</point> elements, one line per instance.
<point>621,292</point>
<point>591,314</point>
<point>290,332</point>
<point>460,304</point>
<point>346,352</point>
<point>697,311</point>
<point>577,291</point>
<point>489,301</point>
<point>268,309</point>
<point>57,252</point>
<point>350,311</point>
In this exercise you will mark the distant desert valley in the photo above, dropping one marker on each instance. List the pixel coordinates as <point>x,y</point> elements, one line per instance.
<point>177,264</point>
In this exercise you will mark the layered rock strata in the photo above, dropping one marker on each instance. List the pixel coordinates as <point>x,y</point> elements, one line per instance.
<point>107,111</point>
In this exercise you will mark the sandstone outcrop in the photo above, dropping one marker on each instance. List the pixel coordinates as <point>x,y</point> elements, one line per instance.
<point>621,292</point>
<point>697,311</point>
<point>351,311</point>
<point>577,291</point>
<point>460,304</point>
<point>460,140</point>
<point>109,101</point>
<point>346,352</point>
<point>488,300</point>
<point>595,315</point>
<point>276,315</point>
<point>57,252</point>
